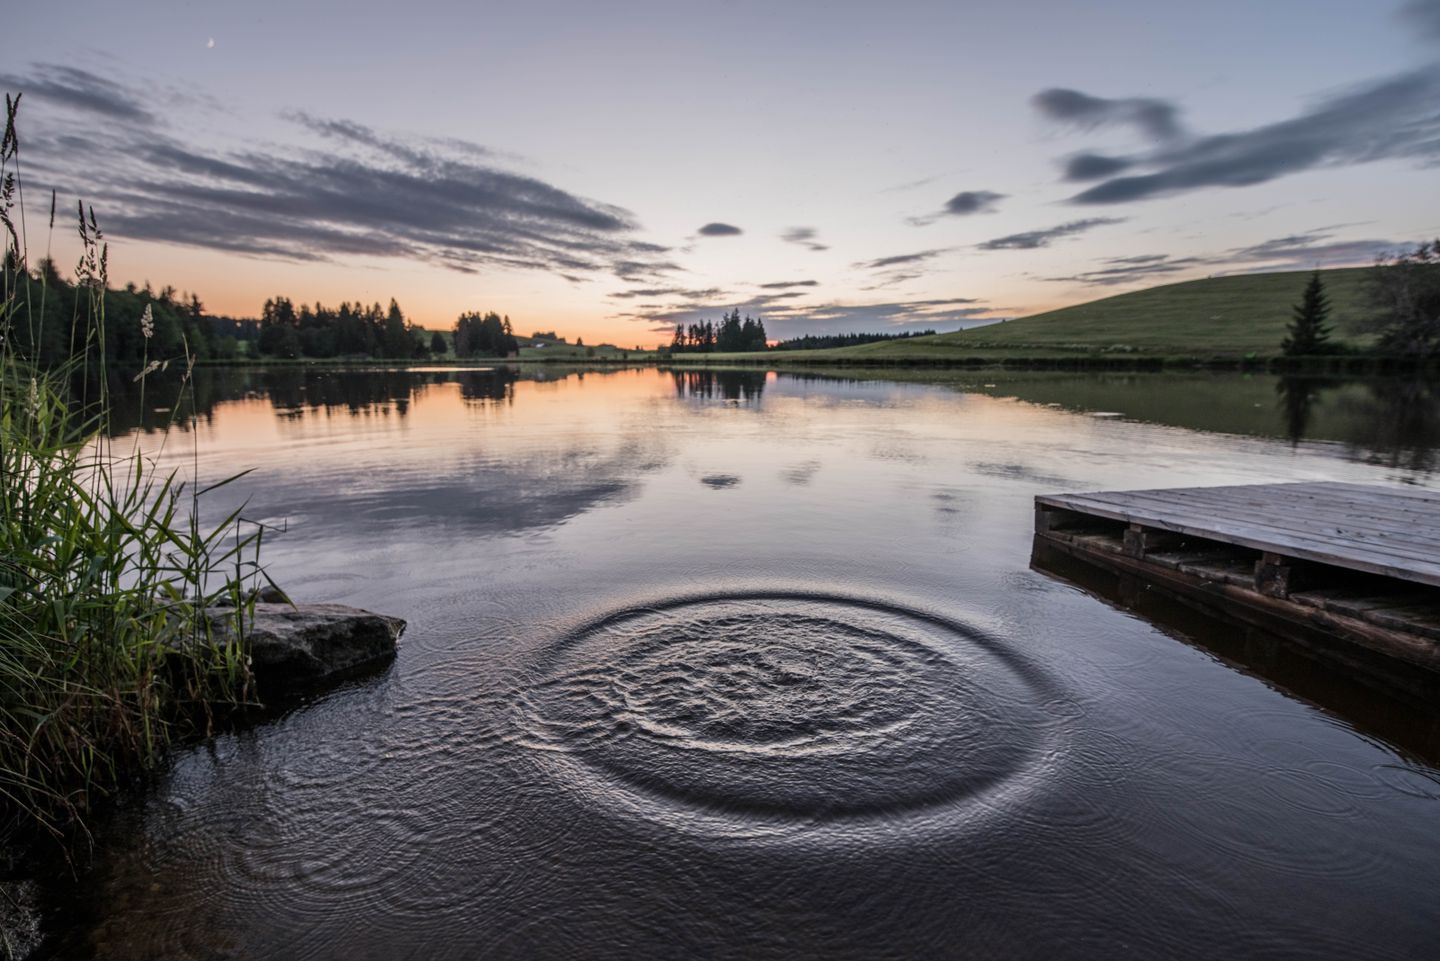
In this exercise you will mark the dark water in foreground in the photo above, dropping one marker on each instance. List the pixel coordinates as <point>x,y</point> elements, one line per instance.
<point>749,666</point>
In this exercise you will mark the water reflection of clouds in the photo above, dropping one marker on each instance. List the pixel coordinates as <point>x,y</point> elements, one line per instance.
<point>476,497</point>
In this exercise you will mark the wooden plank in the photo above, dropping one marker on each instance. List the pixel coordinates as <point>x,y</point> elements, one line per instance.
<point>1392,532</point>
<point>1309,511</point>
<point>1278,612</point>
<point>1147,508</point>
<point>1255,531</point>
<point>1300,505</point>
<point>1282,516</point>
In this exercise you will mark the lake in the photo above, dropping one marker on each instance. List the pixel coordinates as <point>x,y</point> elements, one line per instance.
<point>745,664</point>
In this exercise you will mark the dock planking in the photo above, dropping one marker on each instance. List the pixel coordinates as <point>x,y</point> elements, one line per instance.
<point>1393,532</point>
<point>1352,561</point>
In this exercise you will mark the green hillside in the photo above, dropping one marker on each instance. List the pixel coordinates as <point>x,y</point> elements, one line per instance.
<point>1219,316</point>
<point>551,349</point>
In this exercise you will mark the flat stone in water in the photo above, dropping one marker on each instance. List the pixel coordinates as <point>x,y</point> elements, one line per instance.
<point>306,645</point>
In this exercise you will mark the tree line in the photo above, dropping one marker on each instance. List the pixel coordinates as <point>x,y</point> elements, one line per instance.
<point>344,331</point>
<point>826,341</point>
<point>352,330</point>
<point>57,327</point>
<point>731,335</point>
<point>484,335</point>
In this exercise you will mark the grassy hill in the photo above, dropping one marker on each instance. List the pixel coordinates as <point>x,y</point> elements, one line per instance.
<point>544,348</point>
<point>1220,317</point>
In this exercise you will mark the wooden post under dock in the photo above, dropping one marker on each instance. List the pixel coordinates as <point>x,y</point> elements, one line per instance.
<point>1356,562</point>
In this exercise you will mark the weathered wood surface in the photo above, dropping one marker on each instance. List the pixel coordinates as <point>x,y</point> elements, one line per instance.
<point>1407,639</point>
<point>1391,531</point>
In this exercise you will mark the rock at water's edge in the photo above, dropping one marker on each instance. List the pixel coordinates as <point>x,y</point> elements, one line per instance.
<point>305,645</point>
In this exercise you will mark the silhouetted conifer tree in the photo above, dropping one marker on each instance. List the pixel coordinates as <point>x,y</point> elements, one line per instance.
<point>1309,334</point>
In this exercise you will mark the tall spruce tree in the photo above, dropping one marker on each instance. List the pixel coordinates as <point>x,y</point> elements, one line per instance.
<point>1309,334</point>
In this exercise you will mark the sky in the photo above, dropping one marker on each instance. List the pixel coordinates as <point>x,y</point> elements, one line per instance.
<point>610,170</point>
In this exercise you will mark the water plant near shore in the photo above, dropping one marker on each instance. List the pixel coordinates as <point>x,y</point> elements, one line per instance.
<point>109,583</point>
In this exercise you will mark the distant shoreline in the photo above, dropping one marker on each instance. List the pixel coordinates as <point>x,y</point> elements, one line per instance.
<point>1357,363</point>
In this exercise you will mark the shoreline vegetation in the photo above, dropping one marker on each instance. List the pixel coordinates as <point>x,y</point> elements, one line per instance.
<point>123,613</point>
<point>1242,322</point>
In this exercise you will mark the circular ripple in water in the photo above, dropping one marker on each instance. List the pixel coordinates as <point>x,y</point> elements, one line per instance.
<point>789,706</point>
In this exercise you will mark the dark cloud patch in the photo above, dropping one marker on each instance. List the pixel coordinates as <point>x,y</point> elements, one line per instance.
<point>719,230</point>
<point>897,260</point>
<point>1423,16</point>
<point>1392,119</point>
<point>963,204</point>
<point>785,284</point>
<point>1033,239</point>
<point>640,271</point>
<point>653,292</point>
<point>365,194</point>
<point>1094,166</point>
<point>1318,248</point>
<point>1124,270</point>
<point>79,90</point>
<point>1156,119</point>
<point>421,153</point>
<point>1303,251</point>
<point>973,202</point>
<point>804,237</point>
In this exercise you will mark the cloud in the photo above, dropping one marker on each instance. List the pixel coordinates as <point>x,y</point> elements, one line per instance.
<point>1094,166</point>
<point>358,134</point>
<point>1303,251</point>
<point>362,193</point>
<point>79,90</point>
<point>1032,239</point>
<point>963,204</point>
<point>1424,16</point>
<point>655,292</point>
<point>1391,119</point>
<point>719,230</point>
<point>783,284</point>
<point>804,237</point>
<point>896,260</point>
<point>973,202</point>
<point>1125,270</point>
<point>1317,248</point>
<point>1156,119</point>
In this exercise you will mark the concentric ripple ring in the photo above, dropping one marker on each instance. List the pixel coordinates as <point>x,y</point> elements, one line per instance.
<point>789,707</point>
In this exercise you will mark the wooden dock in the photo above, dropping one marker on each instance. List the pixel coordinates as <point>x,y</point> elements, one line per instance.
<point>1353,562</point>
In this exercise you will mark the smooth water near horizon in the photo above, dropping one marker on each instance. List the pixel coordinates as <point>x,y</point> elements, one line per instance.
<point>749,665</point>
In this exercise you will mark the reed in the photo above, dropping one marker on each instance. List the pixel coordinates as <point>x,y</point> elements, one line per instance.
<point>110,585</point>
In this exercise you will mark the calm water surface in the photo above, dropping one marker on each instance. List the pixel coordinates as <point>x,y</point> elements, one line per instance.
<point>748,665</point>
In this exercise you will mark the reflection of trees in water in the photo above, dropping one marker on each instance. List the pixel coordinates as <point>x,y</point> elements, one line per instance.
<point>1297,398</point>
<point>292,390</point>
<point>160,401</point>
<point>738,386</point>
<point>1403,420</point>
<point>488,386</point>
<point>164,399</point>
<point>1394,422</point>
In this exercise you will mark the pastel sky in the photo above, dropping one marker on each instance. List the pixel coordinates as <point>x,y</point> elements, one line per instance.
<point>610,169</point>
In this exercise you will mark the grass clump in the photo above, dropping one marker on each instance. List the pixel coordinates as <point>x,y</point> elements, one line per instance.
<point>112,595</point>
